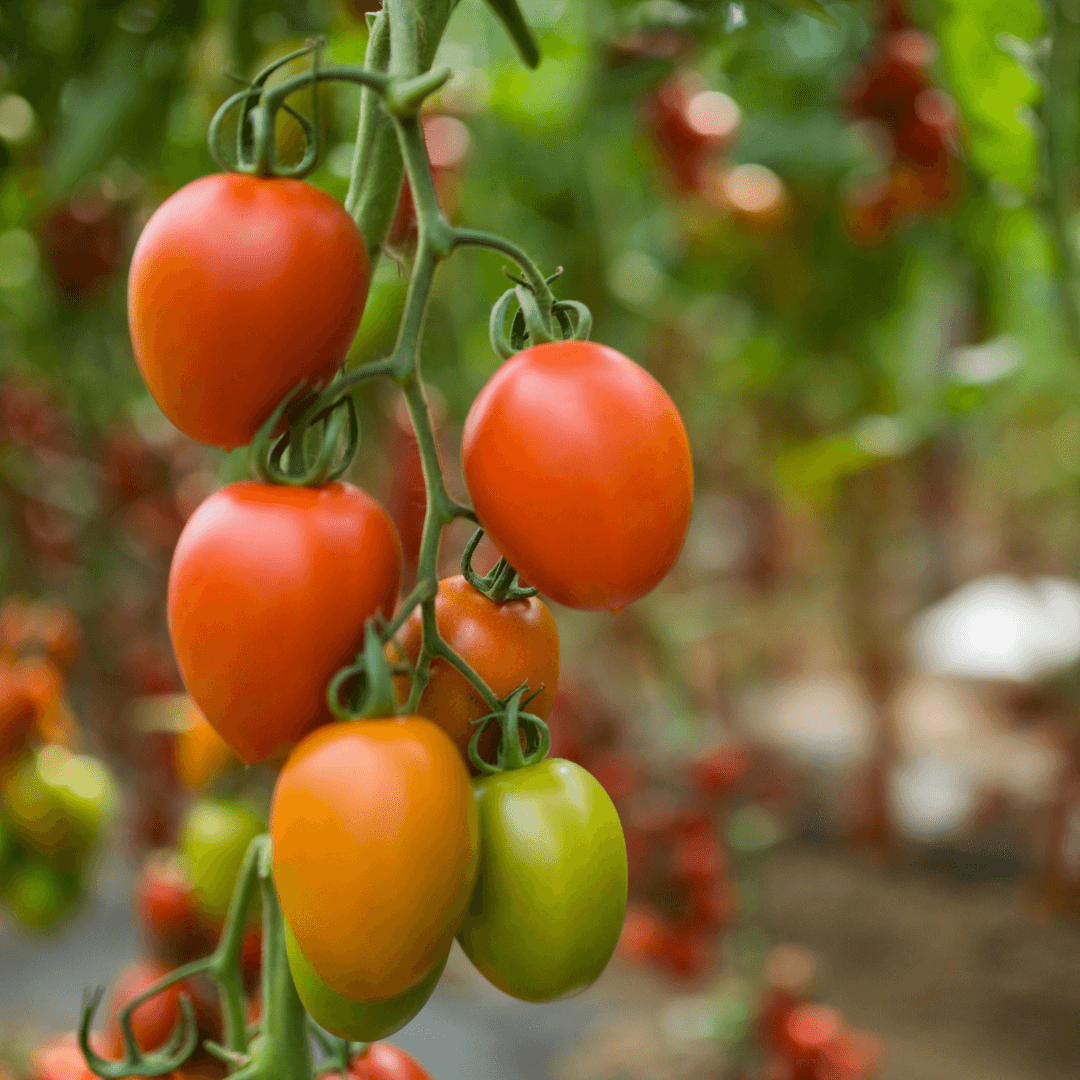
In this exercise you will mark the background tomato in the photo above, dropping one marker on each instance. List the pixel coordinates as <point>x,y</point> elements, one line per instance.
<point>269,591</point>
<point>38,893</point>
<point>240,288</point>
<point>506,644</point>
<point>200,752</point>
<point>214,840</point>
<point>384,1061</point>
<point>374,837</point>
<point>153,1021</point>
<point>590,501</point>
<point>360,1021</point>
<point>551,890</point>
<point>17,710</point>
<point>168,910</point>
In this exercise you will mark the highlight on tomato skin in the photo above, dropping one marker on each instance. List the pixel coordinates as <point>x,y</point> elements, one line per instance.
<point>588,499</point>
<point>269,591</point>
<point>271,273</point>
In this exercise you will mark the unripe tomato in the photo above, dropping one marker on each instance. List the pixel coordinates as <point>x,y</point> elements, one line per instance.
<point>239,289</point>
<point>214,840</point>
<point>505,644</point>
<point>551,891</point>
<point>360,1021</point>
<point>375,849</point>
<point>17,711</point>
<point>269,591</point>
<point>83,788</point>
<point>153,1021</point>
<point>34,810</point>
<point>579,469</point>
<point>39,894</point>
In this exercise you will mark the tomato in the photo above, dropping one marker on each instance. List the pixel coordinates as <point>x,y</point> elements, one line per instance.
<point>200,752</point>
<point>17,711</point>
<point>269,591</point>
<point>551,891</point>
<point>166,906</point>
<point>505,644</point>
<point>85,242</point>
<point>361,1021</point>
<point>239,289</point>
<point>82,787</point>
<point>31,626</point>
<point>34,810</point>
<point>39,894</point>
<point>384,1061</point>
<point>61,1059</point>
<point>375,849</point>
<point>579,469</point>
<point>153,1021</point>
<point>214,840</point>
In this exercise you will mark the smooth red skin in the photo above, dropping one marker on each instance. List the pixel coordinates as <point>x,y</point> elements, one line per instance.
<point>152,1022</point>
<point>505,644</point>
<point>269,591</point>
<point>165,902</point>
<point>240,288</point>
<point>382,1061</point>
<point>579,469</point>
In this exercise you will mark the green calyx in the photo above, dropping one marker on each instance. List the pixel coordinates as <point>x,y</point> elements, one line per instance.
<point>512,721</point>
<point>565,320</point>
<point>501,584</point>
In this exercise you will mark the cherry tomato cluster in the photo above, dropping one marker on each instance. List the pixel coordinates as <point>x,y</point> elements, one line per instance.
<point>54,802</point>
<point>694,130</point>
<point>914,125</point>
<point>803,1040</point>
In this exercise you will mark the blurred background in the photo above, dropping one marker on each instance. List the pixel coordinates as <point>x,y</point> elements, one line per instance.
<point>842,736</point>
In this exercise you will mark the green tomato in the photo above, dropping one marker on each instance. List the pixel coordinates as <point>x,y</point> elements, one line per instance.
<point>8,848</point>
<point>214,840</point>
<point>360,1021</point>
<point>39,894</point>
<point>550,896</point>
<point>82,786</point>
<point>34,810</point>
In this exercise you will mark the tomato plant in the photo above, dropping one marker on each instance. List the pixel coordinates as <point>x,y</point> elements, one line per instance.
<point>506,644</point>
<point>239,289</point>
<point>355,803</point>
<point>590,503</point>
<point>151,1022</point>
<point>551,890</point>
<point>267,599</point>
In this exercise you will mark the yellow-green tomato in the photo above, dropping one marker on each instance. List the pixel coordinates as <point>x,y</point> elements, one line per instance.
<point>214,840</point>
<point>550,896</point>
<point>359,1021</point>
<point>36,814</point>
<point>38,894</point>
<point>81,785</point>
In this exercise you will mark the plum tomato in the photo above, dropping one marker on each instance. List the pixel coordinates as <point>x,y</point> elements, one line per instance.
<point>374,834</point>
<point>550,894</point>
<point>239,289</point>
<point>269,591</point>
<point>578,465</point>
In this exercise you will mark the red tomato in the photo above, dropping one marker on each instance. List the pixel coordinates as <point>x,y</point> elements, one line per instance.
<point>85,241</point>
<point>240,288</point>
<point>506,644</point>
<point>152,1022</point>
<point>382,1061</point>
<point>269,591</point>
<point>166,905</point>
<point>579,469</point>
<point>17,710</point>
<point>376,843</point>
<point>61,1059</point>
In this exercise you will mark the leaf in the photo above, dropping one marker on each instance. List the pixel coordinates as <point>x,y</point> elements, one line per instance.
<point>509,14</point>
<point>994,90</point>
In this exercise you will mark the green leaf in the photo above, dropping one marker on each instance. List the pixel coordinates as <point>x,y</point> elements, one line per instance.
<point>994,90</point>
<point>509,14</point>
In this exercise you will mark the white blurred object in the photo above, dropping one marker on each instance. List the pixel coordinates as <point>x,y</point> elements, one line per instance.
<point>932,796</point>
<point>1001,627</point>
<point>823,719</point>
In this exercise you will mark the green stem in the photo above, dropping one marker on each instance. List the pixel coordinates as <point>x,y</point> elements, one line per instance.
<point>1062,120</point>
<point>536,280</point>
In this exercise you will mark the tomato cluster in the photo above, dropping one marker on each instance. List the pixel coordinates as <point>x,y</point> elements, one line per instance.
<point>914,125</point>
<point>54,802</point>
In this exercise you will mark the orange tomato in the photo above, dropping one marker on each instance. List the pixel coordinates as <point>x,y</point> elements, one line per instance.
<point>199,751</point>
<point>17,710</point>
<point>375,840</point>
<point>505,644</point>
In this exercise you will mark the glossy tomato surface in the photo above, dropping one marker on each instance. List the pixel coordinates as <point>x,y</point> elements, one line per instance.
<point>241,287</point>
<point>374,836</point>
<point>579,468</point>
<point>153,1021</point>
<point>269,591</point>
<point>359,1021</point>
<point>384,1061</point>
<point>506,644</point>
<point>551,891</point>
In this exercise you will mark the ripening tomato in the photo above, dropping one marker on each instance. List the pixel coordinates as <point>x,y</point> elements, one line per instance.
<point>166,905</point>
<point>375,849</point>
<point>579,469</point>
<point>359,1021</point>
<point>551,890</point>
<point>199,752</point>
<point>214,840</point>
<point>269,591</point>
<point>153,1021</point>
<point>239,289</point>
<point>17,710</point>
<point>505,644</point>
